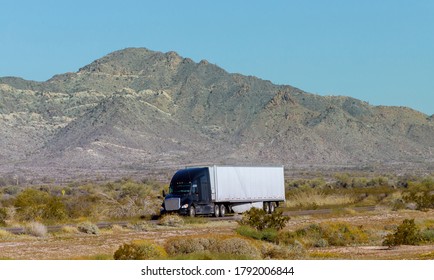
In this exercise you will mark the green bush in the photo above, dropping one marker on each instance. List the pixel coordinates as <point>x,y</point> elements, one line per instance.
<point>143,250</point>
<point>88,228</point>
<point>407,233</point>
<point>260,220</point>
<point>421,193</point>
<point>270,234</point>
<point>427,235</point>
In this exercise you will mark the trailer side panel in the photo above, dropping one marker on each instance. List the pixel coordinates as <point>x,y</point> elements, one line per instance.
<point>244,184</point>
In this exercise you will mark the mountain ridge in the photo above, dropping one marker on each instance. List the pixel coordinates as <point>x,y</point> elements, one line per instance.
<point>140,109</point>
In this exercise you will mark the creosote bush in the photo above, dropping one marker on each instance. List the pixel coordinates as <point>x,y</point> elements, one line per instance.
<point>260,220</point>
<point>139,250</point>
<point>407,233</point>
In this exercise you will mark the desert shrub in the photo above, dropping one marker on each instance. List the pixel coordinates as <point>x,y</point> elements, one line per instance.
<point>32,204</point>
<point>3,216</point>
<point>177,246</point>
<point>286,238</point>
<point>407,233</point>
<point>143,250</point>
<point>321,243</point>
<point>171,220</point>
<point>5,235</point>
<point>427,235</point>
<point>260,220</point>
<point>83,204</point>
<point>269,234</point>
<point>88,228</point>
<point>342,234</point>
<point>421,193</point>
<point>272,251</point>
<point>227,248</point>
<point>69,230</point>
<point>141,226</point>
<point>309,235</point>
<point>36,229</point>
<point>237,246</point>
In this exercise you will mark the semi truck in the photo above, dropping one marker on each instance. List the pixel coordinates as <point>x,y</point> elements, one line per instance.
<point>218,190</point>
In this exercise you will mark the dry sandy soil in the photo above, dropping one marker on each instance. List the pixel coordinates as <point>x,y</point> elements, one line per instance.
<point>79,246</point>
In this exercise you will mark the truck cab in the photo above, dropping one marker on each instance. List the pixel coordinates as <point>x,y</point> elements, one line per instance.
<point>189,193</point>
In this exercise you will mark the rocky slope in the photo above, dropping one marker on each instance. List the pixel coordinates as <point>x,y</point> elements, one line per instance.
<point>137,109</point>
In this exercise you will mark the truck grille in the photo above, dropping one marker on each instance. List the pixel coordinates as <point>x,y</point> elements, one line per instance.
<point>172,204</point>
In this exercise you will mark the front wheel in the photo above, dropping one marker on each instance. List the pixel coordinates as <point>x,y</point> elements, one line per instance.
<point>192,211</point>
<point>216,210</point>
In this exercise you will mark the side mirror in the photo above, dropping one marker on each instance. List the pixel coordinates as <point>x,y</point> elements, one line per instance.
<point>164,193</point>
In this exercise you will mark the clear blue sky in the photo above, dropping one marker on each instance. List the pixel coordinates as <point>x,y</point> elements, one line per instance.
<point>378,51</point>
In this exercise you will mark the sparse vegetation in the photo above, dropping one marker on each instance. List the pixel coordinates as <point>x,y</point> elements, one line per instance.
<point>123,199</point>
<point>258,236</point>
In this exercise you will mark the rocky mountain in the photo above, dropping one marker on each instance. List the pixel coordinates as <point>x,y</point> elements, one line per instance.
<point>137,109</point>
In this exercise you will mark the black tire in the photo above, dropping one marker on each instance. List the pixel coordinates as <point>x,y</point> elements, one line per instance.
<point>216,210</point>
<point>272,207</point>
<point>192,211</point>
<point>267,207</point>
<point>222,210</point>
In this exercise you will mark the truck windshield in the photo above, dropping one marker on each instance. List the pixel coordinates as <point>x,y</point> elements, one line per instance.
<point>180,189</point>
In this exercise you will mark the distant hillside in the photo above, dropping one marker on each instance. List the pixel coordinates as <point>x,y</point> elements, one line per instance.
<point>137,109</point>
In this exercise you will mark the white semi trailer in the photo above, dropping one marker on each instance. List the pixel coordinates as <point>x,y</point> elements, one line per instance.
<point>218,190</point>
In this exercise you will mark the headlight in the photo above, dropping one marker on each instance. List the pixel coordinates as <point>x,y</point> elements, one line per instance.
<point>184,206</point>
